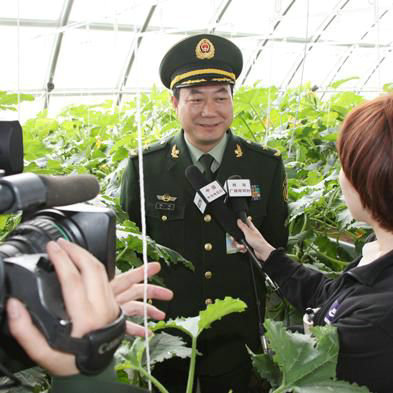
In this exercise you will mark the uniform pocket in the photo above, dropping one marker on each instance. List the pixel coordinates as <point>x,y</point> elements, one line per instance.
<point>165,223</point>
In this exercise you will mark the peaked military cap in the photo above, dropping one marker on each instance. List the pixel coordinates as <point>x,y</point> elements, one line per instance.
<point>201,59</point>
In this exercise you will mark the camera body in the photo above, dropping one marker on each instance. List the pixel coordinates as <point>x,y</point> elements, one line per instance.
<point>25,271</point>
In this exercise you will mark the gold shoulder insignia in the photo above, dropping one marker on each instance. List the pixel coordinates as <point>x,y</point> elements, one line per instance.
<point>277,153</point>
<point>204,49</point>
<point>285,190</point>
<point>175,152</point>
<point>238,151</point>
<point>166,198</point>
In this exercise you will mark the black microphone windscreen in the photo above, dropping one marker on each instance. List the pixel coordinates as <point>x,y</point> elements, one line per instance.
<point>217,208</point>
<point>67,190</point>
<point>195,177</point>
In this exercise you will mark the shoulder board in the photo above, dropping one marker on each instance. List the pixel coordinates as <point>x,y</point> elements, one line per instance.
<point>157,146</point>
<point>261,148</point>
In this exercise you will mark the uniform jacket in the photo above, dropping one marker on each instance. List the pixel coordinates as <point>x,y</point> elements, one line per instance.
<point>181,226</point>
<point>359,303</point>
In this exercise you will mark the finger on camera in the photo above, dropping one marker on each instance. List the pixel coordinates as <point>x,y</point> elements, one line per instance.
<point>137,292</point>
<point>34,343</point>
<point>133,329</point>
<point>94,277</point>
<point>87,295</point>
<point>124,280</point>
<point>70,279</point>
<point>135,308</point>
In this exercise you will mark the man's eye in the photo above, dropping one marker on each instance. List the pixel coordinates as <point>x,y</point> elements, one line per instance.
<point>196,100</point>
<point>221,99</point>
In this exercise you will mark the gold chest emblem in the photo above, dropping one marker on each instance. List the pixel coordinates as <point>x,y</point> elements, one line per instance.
<point>204,49</point>
<point>238,151</point>
<point>166,198</point>
<point>175,152</point>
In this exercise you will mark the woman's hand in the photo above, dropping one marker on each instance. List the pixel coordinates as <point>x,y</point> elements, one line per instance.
<point>254,238</point>
<point>127,289</point>
<point>88,298</point>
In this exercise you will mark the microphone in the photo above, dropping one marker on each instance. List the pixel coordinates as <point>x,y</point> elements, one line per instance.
<point>238,204</point>
<point>67,190</point>
<point>27,190</point>
<point>218,209</point>
<point>225,218</point>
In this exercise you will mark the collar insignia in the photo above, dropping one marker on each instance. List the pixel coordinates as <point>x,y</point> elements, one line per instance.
<point>175,152</point>
<point>166,198</point>
<point>204,49</point>
<point>238,151</point>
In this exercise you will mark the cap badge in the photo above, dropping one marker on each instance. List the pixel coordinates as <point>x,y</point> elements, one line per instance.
<point>166,198</point>
<point>175,152</point>
<point>204,49</point>
<point>238,151</point>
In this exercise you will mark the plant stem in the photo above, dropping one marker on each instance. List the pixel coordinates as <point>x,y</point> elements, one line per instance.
<point>121,253</point>
<point>153,380</point>
<point>191,371</point>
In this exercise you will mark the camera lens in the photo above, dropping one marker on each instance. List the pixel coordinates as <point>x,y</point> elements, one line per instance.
<point>31,236</point>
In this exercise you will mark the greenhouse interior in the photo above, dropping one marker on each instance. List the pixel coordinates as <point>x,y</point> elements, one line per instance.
<point>246,146</point>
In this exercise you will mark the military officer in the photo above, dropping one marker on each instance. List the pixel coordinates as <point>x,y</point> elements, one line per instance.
<point>201,71</point>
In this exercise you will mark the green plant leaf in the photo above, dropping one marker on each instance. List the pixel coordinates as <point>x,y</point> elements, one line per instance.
<point>306,362</point>
<point>266,368</point>
<point>219,309</point>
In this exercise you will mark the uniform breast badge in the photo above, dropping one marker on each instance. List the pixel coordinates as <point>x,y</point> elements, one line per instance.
<point>175,152</point>
<point>166,202</point>
<point>238,151</point>
<point>204,49</point>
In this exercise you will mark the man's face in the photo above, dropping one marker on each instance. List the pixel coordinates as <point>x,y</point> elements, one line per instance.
<point>205,113</point>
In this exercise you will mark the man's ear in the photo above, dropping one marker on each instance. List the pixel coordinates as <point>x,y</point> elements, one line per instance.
<point>175,102</point>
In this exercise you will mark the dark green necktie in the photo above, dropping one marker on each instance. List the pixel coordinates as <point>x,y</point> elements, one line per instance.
<point>206,160</point>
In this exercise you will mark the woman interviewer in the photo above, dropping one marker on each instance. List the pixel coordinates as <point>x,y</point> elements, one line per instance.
<point>360,302</point>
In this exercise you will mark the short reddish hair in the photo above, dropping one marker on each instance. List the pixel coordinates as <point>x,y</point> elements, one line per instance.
<point>365,148</point>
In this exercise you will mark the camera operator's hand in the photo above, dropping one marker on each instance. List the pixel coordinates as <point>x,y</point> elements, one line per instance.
<point>127,290</point>
<point>254,238</point>
<point>88,299</point>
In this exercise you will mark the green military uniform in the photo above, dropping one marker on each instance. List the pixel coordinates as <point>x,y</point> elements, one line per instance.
<point>102,383</point>
<point>173,219</point>
<point>179,224</point>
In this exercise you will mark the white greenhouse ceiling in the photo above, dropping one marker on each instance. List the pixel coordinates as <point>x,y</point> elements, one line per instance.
<point>76,51</point>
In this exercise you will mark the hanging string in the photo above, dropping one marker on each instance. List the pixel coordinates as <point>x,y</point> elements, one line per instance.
<point>18,55</point>
<point>301,73</point>
<point>378,48</point>
<point>143,221</point>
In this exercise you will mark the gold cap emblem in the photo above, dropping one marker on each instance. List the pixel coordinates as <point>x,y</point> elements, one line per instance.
<point>204,49</point>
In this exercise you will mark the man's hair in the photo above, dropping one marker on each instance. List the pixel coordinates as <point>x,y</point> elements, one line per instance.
<point>365,148</point>
<point>176,91</point>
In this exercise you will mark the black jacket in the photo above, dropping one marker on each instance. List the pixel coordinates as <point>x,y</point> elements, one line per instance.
<point>178,224</point>
<point>359,303</point>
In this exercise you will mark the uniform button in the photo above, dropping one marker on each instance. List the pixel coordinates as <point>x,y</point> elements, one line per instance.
<point>164,218</point>
<point>208,247</point>
<point>207,218</point>
<point>208,301</point>
<point>208,275</point>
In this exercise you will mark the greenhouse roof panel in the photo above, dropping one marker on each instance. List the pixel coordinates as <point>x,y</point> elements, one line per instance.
<point>112,49</point>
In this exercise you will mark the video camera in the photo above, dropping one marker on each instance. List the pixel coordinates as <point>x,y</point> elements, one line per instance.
<point>25,271</point>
